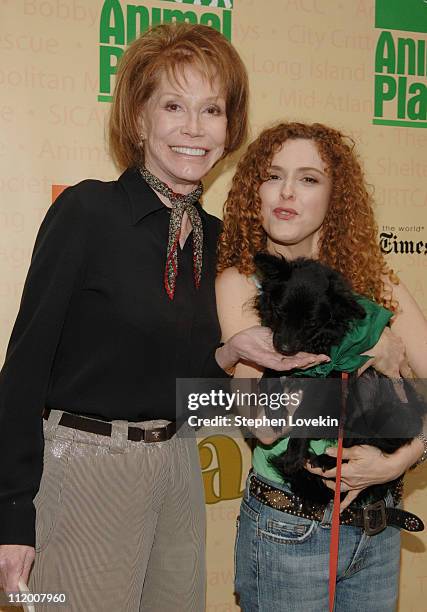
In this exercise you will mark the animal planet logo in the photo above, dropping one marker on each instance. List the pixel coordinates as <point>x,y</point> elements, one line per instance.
<point>119,26</point>
<point>401,64</point>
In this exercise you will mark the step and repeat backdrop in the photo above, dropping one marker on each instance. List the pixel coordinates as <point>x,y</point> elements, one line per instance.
<point>359,65</point>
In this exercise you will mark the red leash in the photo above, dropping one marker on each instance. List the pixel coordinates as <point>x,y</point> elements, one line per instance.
<point>335,527</point>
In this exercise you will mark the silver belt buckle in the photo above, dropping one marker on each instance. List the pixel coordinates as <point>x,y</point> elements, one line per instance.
<point>374,518</point>
<point>154,435</point>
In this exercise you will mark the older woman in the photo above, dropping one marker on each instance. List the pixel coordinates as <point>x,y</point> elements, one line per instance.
<point>299,191</point>
<point>119,301</point>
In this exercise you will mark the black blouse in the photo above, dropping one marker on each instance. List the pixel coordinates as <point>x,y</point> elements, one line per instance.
<point>96,333</point>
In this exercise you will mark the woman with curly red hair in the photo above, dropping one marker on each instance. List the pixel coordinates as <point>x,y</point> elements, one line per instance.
<point>299,191</point>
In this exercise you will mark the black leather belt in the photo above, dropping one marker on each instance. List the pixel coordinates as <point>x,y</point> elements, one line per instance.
<point>103,428</point>
<point>373,517</point>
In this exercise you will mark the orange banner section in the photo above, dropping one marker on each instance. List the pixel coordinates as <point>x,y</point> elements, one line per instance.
<point>57,190</point>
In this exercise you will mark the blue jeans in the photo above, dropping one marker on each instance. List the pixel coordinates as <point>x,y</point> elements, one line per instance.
<point>282,562</point>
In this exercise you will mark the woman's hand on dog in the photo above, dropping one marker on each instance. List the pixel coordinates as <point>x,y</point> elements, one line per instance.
<point>388,356</point>
<point>255,345</point>
<point>366,466</point>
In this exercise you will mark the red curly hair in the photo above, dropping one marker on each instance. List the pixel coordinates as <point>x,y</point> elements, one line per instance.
<point>348,240</point>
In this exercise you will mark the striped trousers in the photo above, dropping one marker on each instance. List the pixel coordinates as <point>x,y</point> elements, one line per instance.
<point>120,525</point>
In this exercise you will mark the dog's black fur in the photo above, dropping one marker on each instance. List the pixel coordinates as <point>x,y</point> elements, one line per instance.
<point>310,307</point>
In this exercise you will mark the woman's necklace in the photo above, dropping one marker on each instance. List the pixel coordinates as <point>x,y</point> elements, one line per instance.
<point>180,203</point>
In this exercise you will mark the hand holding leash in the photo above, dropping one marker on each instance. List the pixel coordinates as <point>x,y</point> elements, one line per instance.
<point>366,466</point>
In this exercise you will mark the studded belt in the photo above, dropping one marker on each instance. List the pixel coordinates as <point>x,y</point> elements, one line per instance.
<point>373,517</point>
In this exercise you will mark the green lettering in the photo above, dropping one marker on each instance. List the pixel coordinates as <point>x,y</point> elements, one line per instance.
<point>385,54</point>
<point>174,15</point>
<point>212,20</point>
<point>156,16</point>
<point>106,67</point>
<point>401,97</point>
<point>403,45</point>
<point>421,59</point>
<point>226,24</point>
<point>143,16</point>
<point>417,105</point>
<point>385,90</point>
<point>221,3</point>
<point>112,8</point>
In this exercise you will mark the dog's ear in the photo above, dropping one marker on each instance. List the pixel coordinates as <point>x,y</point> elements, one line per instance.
<point>344,305</point>
<point>272,268</point>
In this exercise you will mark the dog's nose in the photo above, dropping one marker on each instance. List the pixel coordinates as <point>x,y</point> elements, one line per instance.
<point>287,350</point>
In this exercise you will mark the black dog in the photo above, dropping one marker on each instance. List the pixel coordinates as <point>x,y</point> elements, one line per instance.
<point>310,307</point>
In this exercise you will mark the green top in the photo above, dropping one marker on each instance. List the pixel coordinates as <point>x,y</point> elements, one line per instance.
<point>345,357</point>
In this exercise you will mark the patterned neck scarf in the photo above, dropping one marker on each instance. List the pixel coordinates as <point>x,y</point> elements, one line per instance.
<point>180,204</point>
